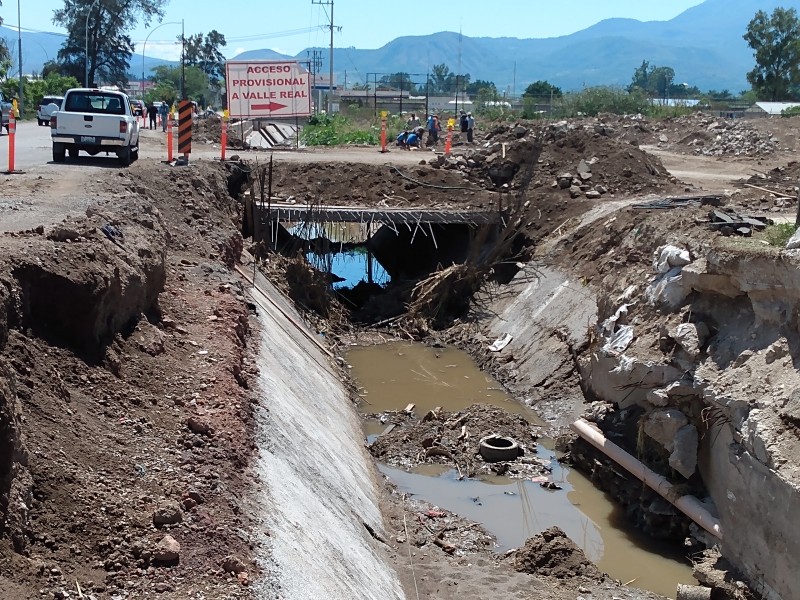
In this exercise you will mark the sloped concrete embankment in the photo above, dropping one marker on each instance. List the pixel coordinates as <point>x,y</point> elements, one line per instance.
<point>708,355</point>
<point>548,315</point>
<point>321,492</point>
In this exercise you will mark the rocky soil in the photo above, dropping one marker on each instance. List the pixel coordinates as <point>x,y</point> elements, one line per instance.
<point>129,432</point>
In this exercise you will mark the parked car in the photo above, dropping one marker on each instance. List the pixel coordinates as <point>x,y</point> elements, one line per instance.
<point>95,121</point>
<point>5,109</point>
<point>138,108</point>
<point>47,106</point>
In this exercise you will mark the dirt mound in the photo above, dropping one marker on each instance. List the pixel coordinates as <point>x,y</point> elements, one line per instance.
<point>101,458</point>
<point>552,554</point>
<point>571,160</point>
<point>209,131</point>
<point>353,184</point>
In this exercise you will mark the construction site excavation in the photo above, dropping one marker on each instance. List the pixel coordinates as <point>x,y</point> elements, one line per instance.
<point>559,362</point>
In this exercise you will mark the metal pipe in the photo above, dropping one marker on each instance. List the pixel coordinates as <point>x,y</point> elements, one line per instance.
<point>688,505</point>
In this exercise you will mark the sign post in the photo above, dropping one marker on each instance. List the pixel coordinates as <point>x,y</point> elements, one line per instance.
<point>169,137</point>
<point>384,114</point>
<point>224,136</point>
<point>12,134</point>
<point>267,89</point>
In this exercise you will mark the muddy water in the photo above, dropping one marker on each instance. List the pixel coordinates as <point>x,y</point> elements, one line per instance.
<point>394,375</point>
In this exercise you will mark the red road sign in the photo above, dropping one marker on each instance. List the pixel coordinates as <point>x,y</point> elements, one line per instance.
<point>267,88</point>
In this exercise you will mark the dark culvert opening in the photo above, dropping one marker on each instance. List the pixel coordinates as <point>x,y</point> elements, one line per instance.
<point>377,278</point>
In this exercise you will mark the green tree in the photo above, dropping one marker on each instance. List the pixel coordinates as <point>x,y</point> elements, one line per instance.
<point>168,78</point>
<point>397,81</point>
<point>542,88</point>
<point>204,52</point>
<point>35,89</point>
<point>440,79</point>
<point>5,57</point>
<point>660,82</point>
<point>475,88</point>
<point>109,45</point>
<point>775,41</point>
<point>444,81</point>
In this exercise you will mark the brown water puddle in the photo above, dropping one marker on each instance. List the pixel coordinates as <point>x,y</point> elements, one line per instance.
<point>396,374</point>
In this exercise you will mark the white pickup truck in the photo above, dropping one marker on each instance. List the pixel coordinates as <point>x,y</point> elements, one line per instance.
<point>95,121</point>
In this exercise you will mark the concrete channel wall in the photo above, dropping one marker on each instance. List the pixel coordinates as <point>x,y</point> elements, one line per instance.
<point>320,482</point>
<point>542,309</point>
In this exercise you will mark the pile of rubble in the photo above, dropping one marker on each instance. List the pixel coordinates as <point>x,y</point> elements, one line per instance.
<point>710,136</point>
<point>584,159</point>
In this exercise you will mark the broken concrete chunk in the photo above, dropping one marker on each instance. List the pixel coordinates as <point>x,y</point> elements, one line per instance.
<point>663,424</point>
<point>794,241</point>
<point>778,349</point>
<point>658,397</point>
<point>593,195</point>
<point>688,338</point>
<point>584,169</point>
<point>684,455</point>
<point>667,257</point>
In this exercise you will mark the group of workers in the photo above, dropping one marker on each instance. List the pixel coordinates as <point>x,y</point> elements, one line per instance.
<point>412,136</point>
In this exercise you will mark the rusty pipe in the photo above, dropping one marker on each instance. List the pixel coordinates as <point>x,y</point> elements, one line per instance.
<point>688,505</point>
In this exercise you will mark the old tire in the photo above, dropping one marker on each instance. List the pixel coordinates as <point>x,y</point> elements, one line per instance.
<point>59,152</point>
<point>496,448</point>
<point>124,156</point>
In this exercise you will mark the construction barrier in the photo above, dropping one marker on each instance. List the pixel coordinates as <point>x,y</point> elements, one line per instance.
<point>448,144</point>
<point>384,114</point>
<point>185,110</point>
<point>12,134</point>
<point>169,138</point>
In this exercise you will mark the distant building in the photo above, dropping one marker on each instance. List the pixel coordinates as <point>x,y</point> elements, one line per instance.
<point>673,102</point>
<point>769,109</point>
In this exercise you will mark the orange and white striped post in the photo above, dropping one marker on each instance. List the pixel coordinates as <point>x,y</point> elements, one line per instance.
<point>384,114</point>
<point>169,137</point>
<point>224,136</point>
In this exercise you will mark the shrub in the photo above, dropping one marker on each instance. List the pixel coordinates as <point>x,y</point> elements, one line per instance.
<point>778,235</point>
<point>335,130</point>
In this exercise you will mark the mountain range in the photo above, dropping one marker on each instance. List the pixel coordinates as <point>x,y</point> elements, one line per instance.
<point>704,46</point>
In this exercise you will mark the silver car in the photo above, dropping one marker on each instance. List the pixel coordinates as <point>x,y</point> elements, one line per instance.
<point>47,106</point>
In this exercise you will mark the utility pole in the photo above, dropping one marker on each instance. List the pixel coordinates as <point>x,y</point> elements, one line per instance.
<point>330,58</point>
<point>314,65</point>
<point>183,62</point>
<point>19,36</point>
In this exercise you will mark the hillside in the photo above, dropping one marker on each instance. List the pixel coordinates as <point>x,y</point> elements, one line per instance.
<point>703,44</point>
<point>39,47</point>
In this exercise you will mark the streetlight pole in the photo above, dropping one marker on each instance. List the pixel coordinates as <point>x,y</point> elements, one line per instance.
<point>153,30</point>
<point>19,36</point>
<point>86,41</point>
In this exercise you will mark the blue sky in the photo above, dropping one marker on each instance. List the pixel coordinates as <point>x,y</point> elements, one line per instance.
<point>289,26</point>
